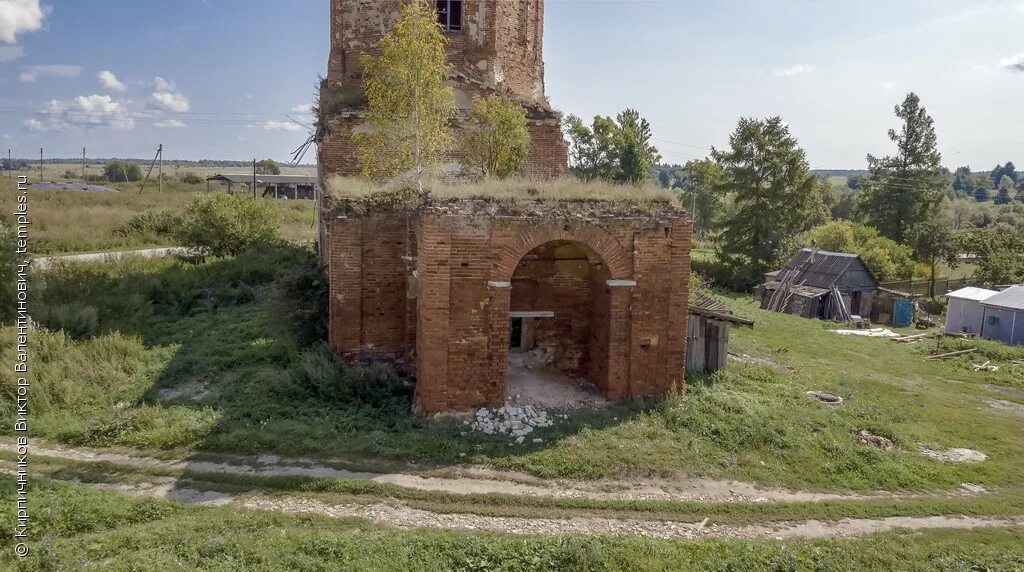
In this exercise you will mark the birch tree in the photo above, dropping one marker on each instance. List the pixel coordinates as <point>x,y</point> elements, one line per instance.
<point>409,103</point>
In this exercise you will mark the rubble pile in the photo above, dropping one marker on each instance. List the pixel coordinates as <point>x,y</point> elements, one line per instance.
<point>515,421</point>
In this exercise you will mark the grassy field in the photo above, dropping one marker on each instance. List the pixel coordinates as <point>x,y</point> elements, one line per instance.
<point>74,221</point>
<point>217,335</point>
<point>89,530</point>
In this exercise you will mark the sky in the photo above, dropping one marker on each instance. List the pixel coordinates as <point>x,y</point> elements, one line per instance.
<point>233,79</point>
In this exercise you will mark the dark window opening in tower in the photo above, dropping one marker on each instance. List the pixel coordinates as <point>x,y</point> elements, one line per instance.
<point>449,14</point>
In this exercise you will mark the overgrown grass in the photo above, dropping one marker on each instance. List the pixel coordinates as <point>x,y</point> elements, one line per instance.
<point>188,358</point>
<point>75,528</point>
<point>73,221</point>
<point>648,196</point>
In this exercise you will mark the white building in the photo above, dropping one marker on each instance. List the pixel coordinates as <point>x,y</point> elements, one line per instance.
<point>964,313</point>
<point>1002,316</point>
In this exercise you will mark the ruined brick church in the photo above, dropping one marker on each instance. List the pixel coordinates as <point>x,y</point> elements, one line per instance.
<point>460,288</point>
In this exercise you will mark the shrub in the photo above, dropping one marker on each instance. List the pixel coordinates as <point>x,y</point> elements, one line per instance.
<point>223,225</point>
<point>268,167</point>
<point>159,223</point>
<point>77,320</point>
<point>303,302</point>
<point>122,171</point>
<point>496,140</point>
<point>8,270</point>
<point>375,384</point>
<point>191,178</point>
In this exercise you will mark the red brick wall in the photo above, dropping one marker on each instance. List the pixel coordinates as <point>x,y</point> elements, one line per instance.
<point>629,340</point>
<point>500,43</point>
<point>499,48</point>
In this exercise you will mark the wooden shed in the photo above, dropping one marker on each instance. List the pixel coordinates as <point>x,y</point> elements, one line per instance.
<point>821,284</point>
<point>707,333</point>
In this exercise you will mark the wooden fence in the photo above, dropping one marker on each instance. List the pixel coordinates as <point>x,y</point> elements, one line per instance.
<point>920,286</point>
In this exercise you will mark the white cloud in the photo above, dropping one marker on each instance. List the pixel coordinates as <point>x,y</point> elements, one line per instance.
<point>20,16</point>
<point>110,81</point>
<point>799,69</point>
<point>83,111</point>
<point>10,53</point>
<point>275,125</point>
<point>1013,63</point>
<point>32,73</point>
<point>303,108</point>
<point>888,85</point>
<point>170,124</point>
<point>166,96</point>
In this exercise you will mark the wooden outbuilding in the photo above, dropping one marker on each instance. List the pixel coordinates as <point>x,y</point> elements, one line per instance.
<point>278,186</point>
<point>821,284</point>
<point>707,334</point>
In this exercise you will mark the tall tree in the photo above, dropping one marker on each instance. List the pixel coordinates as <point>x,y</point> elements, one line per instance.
<point>409,102</point>
<point>268,167</point>
<point>611,149</point>
<point>934,242</point>
<point>699,182</point>
<point>496,140</point>
<point>999,253</point>
<point>636,154</point>
<point>905,190</point>
<point>767,174</point>
<point>593,153</point>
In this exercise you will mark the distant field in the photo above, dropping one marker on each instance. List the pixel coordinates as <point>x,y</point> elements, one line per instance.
<point>78,221</point>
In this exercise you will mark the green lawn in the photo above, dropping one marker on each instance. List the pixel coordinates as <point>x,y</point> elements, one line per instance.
<point>139,328</point>
<point>75,528</point>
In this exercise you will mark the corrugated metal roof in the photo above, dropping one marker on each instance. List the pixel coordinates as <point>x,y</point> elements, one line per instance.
<point>971,293</point>
<point>820,268</point>
<point>1012,299</point>
<point>264,179</point>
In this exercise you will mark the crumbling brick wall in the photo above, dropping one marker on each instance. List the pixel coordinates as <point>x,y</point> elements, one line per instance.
<point>449,303</point>
<point>498,50</point>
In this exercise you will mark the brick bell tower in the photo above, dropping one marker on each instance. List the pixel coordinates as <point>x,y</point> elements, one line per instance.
<point>495,46</point>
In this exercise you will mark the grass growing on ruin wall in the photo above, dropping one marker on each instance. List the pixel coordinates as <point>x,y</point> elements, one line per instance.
<point>533,192</point>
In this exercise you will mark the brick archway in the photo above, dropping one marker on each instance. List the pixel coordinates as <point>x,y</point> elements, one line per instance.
<point>615,258</point>
<point>611,374</point>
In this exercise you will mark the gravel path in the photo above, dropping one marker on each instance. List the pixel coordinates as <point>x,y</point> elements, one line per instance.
<point>405,517</point>
<point>469,480</point>
<point>393,513</point>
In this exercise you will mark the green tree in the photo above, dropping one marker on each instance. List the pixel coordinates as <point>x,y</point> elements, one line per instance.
<point>766,173</point>
<point>1003,196</point>
<point>1000,171</point>
<point>981,194</point>
<point>635,153</point>
<point>664,179</point>
<point>409,103</point>
<point>222,225</point>
<point>999,252</point>
<point>962,181</point>
<point>853,182</point>
<point>592,149</point>
<point>905,190</point>
<point>611,149</point>
<point>935,242</point>
<point>496,140</point>
<point>268,167</point>
<point>699,182</point>
<point>886,259</point>
<point>122,171</point>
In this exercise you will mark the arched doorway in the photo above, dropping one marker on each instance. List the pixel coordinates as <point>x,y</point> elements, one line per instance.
<point>558,324</point>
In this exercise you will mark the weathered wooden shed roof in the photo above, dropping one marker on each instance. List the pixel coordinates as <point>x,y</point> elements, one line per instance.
<point>704,305</point>
<point>824,269</point>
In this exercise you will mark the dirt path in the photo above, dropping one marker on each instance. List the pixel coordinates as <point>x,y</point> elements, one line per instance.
<point>47,261</point>
<point>401,516</point>
<point>468,480</point>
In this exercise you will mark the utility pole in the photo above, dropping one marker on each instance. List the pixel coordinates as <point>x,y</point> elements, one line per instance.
<point>83,163</point>
<point>40,164</point>
<point>10,164</point>
<point>254,178</point>
<point>160,172</point>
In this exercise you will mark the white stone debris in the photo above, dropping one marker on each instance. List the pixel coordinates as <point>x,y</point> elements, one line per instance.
<point>513,421</point>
